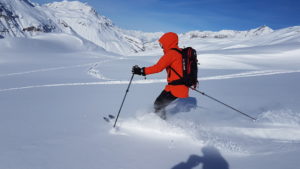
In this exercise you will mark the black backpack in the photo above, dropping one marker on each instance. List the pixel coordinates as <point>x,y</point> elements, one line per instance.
<point>189,67</point>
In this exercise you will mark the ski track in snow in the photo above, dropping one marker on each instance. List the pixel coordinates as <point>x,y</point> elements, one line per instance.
<point>51,69</point>
<point>147,81</point>
<point>250,74</point>
<point>96,73</point>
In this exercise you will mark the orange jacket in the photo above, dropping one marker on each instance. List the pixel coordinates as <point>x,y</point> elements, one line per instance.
<point>170,58</point>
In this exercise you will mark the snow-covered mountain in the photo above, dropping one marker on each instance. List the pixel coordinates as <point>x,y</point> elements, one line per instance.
<point>22,18</point>
<point>263,30</point>
<point>86,22</point>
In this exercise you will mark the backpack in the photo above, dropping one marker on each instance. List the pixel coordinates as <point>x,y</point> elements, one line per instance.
<point>189,67</point>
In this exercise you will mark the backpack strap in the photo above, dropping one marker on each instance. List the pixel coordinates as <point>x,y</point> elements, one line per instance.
<point>175,72</point>
<point>179,81</point>
<point>179,51</point>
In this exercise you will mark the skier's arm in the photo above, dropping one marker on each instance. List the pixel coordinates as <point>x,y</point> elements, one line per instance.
<point>163,63</point>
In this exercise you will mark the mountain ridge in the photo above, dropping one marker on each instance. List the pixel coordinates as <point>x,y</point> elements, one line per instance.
<point>23,18</point>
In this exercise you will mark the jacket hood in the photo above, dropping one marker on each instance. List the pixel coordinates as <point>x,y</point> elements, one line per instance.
<point>169,40</point>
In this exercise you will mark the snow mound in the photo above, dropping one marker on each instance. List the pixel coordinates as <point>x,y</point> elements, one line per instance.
<point>52,43</point>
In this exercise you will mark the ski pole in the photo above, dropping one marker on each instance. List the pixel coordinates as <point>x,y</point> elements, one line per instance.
<point>224,104</point>
<point>123,100</point>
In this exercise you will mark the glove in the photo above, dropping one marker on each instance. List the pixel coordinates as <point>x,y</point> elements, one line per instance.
<point>137,70</point>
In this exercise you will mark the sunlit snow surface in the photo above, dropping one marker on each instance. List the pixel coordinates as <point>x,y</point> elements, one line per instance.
<point>56,88</point>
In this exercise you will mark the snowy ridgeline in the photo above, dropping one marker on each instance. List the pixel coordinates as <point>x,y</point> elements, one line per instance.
<point>26,19</point>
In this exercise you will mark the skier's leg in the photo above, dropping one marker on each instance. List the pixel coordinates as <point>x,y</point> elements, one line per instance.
<point>161,102</point>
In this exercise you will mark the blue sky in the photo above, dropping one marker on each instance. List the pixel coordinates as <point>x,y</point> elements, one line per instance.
<point>186,15</point>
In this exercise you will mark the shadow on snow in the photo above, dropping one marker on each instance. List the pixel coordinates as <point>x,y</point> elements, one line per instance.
<point>183,105</point>
<point>211,159</point>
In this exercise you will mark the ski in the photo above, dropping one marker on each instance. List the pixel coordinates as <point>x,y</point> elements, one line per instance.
<point>106,119</point>
<point>109,118</point>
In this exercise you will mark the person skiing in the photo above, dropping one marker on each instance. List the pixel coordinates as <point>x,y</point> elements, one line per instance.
<point>171,60</point>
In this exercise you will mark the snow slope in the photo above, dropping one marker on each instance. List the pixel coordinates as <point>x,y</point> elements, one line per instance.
<point>56,88</point>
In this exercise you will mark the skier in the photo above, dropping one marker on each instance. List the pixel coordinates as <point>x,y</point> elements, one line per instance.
<point>170,59</point>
